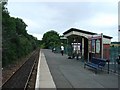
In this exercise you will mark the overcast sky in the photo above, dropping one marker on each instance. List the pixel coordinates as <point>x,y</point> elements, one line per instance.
<point>97,17</point>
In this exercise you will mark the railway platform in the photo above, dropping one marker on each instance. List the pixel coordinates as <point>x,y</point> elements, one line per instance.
<point>56,71</point>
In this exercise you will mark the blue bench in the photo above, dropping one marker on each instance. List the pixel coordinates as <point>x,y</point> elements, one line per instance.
<point>96,64</point>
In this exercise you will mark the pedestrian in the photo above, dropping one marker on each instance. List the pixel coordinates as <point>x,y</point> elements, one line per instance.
<point>62,50</point>
<point>118,59</point>
<point>53,49</point>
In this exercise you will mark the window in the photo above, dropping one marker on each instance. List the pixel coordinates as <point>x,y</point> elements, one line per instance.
<point>93,46</point>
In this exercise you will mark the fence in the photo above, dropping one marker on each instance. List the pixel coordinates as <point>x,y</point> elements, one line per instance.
<point>113,54</point>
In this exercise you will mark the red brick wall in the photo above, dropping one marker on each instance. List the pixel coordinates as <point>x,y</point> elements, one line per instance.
<point>106,51</point>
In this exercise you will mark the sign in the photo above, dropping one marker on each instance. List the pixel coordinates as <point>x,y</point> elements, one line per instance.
<point>97,46</point>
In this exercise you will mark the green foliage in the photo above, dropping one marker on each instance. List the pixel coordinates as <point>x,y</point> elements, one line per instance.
<point>16,42</point>
<point>51,39</point>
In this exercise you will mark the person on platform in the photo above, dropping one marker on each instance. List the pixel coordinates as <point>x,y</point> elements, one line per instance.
<point>62,50</point>
<point>118,59</point>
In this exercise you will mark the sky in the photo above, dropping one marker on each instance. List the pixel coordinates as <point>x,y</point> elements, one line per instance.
<point>98,17</point>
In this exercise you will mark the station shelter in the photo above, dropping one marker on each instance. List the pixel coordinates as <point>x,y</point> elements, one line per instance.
<point>85,44</point>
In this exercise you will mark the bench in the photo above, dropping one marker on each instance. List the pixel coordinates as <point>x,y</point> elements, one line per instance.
<point>96,64</point>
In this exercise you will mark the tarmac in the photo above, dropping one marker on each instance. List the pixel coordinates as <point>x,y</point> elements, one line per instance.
<point>56,71</point>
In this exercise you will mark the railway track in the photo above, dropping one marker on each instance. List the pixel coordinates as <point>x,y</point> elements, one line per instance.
<point>20,79</point>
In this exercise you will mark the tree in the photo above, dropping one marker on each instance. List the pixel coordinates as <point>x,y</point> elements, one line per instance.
<point>16,42</point>
<point>51,39</point>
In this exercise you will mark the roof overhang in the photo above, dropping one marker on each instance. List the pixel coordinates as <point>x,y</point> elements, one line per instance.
<point>83,33</point>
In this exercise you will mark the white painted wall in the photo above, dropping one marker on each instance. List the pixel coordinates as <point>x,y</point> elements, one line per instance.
<point>106,41</point>
<point>81,34</point>
<point>68,34</point>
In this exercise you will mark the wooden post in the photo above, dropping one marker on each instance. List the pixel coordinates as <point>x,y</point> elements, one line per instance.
<point>88,50</point>
<point>101,45</point>
<point>77,49</point>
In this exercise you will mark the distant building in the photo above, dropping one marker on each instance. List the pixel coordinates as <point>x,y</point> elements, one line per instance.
<point>115,44</point>
<point>63,40</point>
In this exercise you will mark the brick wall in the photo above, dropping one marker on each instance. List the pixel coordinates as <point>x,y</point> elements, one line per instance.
<point>106,51</point>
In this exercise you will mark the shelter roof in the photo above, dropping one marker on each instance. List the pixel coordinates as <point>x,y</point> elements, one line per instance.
<point>83,31</point>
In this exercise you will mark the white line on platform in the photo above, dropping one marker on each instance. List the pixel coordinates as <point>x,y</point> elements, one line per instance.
<point>37,84</point>
<point>44,78</point>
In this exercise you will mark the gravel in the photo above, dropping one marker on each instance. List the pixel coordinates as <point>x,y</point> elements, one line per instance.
<point>19,78</point>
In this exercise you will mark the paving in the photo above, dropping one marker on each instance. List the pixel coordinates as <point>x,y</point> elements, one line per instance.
<point>70,73</point>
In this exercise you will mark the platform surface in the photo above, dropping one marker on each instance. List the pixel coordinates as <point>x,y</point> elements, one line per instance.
<point>70,73</point>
